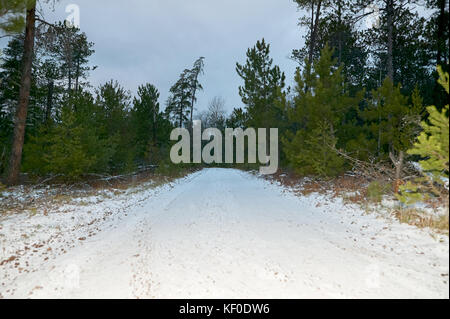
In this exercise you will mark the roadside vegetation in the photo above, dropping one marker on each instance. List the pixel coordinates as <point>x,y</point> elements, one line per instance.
<point>360,107</point>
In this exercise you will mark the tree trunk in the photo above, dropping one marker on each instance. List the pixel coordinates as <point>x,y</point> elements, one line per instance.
<point>155,123</point>
<point>312,31</point>
<point>48,111</point>
<point>24,98</point>
<point>398,163</point>
<point>438,96</point>
<point>69,87</point>
<point>315,30</point>
<point>315,19</point>
<point>440,31</point>
<point>193,101</point>
<point>77,75</point>
<point>390,41</point>
<point>340,32</point>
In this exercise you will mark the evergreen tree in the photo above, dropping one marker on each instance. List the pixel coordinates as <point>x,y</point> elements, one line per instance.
<point>393,122</point>
<point>73,147</point>
<point>437,40</point>
<point>114,104</point>
<point>399,48</point>
<point>432,146</point>
<point>311,21</point>
<point>12,15</point>
<point>10,77</point>
<point>316,114</point>
<point>263,84</point>
<point>195,85</point>
<point>69,47</point>
<point>335,27</point>
<point>24,94</point>
<point>179,103</point>
<point>48,78</point>
<point>311,152</point>
<point>237,119</point>
<point>146,117</point>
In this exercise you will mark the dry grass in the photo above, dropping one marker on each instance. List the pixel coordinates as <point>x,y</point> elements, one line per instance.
<point>366,193</point>
<point>340,186</point>
<point>421,219</point>
<point>60,194</point>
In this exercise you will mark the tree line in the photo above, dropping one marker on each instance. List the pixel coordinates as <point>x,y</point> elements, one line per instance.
<point>360,96</point>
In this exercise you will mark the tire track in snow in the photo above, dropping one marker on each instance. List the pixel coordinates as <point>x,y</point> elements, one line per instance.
<point>224,233</point>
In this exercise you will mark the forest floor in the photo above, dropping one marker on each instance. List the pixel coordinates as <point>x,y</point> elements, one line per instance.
<point>216,233</point>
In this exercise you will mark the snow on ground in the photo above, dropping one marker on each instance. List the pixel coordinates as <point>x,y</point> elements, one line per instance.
<point>219,233</point>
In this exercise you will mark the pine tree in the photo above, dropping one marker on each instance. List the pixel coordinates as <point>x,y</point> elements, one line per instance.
<point>114,103</point>
<point>399,48</point>
<point>393,123</point>
<point>432,146</point>
<point>195,85</point>
<point>146,117</point>
<point>69,47</point>
<point>12,15</point>
<point>10,77</point>
<point>52,92</point>
<point>15,159</point>
<point>336,28</point>
<point>179,103</point>
<point>312,21</point>
<point>66,154</point>
<point>316,114</point>
<point>9,94</point>
<point>310,153</point>
<point>237,119</point>
<point>74,146</point>
<point>263,85</point>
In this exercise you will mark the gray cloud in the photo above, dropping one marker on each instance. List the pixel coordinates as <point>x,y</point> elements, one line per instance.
<point>139,41</point>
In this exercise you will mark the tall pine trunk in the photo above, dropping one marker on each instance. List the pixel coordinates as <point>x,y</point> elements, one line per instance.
<point>69,86</point>
<point>193,100</point>
<point>24,98</point>
<point>398,162</point>
<point>390,40</point>
<point>49,107</point>
<point>438,95</point>
<point>314,32</point>
<point>77,75</point>
<point>441,31</point>
<point>340,32</point>
<point>155,127</point>
<point>315,20</point>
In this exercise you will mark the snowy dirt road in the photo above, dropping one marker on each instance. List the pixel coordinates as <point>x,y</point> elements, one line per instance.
<point>224,233</point>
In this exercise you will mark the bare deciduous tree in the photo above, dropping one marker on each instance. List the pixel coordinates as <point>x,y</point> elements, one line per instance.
<point>216,114</point>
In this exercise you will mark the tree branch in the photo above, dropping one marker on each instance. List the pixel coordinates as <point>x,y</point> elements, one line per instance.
<point>46,23</point>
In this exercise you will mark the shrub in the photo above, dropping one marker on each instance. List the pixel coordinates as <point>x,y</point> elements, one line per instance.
<point>377,189</point>
<point>432,146</point>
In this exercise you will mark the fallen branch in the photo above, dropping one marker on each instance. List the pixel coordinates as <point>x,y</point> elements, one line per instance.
<point>48,180</point>
<point>372,169</point>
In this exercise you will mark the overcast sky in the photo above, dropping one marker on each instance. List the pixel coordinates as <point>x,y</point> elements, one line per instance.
<point>139,41</point>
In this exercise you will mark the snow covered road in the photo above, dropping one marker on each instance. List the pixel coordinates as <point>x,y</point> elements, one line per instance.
<point>224,233</point>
